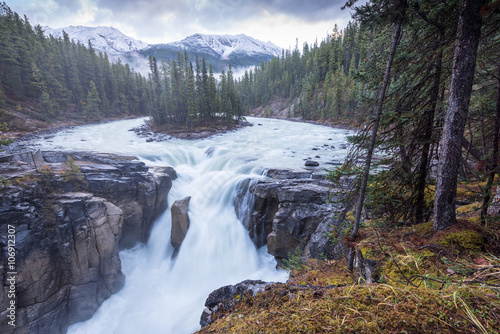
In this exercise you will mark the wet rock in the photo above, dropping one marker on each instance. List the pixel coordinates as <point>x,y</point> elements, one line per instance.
<point>68,235</point>
<point>283,174</point>
<point>287,214</point>
<point>139,191</point>
<point>311,163</point>
<point>180,221</point>
<point>210,151</point>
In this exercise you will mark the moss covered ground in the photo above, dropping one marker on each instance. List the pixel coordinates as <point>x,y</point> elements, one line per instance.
<point>445,282</point>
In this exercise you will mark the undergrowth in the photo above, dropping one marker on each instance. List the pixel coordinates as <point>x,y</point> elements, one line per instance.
<point>448,282</point>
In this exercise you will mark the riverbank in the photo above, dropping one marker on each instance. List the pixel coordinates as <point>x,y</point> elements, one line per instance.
<point>447,282</point>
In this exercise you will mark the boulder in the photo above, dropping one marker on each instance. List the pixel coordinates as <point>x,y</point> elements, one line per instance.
<point>180,221</point>
<point>224,298</point>
<point>311,163</point>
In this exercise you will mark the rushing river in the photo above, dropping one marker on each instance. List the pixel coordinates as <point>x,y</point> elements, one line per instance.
<point>162,295</point>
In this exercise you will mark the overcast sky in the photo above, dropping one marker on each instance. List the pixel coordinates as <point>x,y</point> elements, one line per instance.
<point>163,21</point>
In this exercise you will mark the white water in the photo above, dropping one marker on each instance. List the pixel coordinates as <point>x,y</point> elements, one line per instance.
<point>162,295</point>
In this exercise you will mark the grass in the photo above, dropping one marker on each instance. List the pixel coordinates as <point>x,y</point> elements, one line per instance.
<point>448,282</point>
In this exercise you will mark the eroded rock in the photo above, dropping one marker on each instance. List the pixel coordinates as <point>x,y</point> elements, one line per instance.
<point>68,235</point>
<point>180,221</point>
<point>286,214</point>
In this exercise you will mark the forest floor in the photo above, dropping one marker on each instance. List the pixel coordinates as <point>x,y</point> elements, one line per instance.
<point>445,282</point>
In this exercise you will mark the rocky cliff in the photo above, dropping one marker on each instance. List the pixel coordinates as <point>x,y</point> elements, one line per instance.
<point>290,211</point>
<point>70,221</point>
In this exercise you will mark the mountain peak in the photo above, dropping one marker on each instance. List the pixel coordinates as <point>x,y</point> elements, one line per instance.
<point>226,45</point>
<point>106,39</point>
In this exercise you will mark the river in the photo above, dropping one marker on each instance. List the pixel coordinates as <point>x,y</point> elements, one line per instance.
<point>165,295</point>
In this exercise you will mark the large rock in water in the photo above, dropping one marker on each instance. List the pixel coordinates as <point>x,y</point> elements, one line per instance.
<point>287,214</point>
<point>180,221</point>
<point>68,236</point>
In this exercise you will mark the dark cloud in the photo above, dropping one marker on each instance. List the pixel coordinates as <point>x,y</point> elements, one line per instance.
<point>315,10</point>
<point>219,12</point>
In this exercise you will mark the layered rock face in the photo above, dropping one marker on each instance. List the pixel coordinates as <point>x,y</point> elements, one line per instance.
<point>293,210</point>
<point>68,233</point>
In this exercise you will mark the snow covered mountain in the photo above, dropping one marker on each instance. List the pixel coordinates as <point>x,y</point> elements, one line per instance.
<point>106,39</point>
<point>219,50</point>
<point>226,46</point>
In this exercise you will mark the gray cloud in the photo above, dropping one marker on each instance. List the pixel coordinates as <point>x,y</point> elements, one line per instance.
<point>168,20</point>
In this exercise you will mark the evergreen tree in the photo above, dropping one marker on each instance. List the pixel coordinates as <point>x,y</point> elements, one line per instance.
<point>92,102</point>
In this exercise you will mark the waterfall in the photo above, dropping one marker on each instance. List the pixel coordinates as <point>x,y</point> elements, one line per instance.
<point>163,294</point>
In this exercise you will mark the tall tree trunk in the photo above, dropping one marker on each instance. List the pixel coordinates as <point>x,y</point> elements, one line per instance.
<point>464,63</point>
<point>378,114</point>
<point>428,129</point>
<point>493,165</point>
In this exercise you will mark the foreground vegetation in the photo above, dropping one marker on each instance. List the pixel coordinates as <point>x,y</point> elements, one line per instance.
<point>448,282</point>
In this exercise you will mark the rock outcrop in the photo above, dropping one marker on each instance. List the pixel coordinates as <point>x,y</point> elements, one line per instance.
<point>293,210</point>
<point>224,298</point>
<point>68,231</point>
<point>180,221</point>
<point>139,191</point>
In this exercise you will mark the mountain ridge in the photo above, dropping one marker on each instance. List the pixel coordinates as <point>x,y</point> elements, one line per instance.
<point>239,50</point>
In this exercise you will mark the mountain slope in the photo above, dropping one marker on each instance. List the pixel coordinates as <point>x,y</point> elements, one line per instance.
<point>219,50</point>
<point>226,46</point>
<point>106,39</point>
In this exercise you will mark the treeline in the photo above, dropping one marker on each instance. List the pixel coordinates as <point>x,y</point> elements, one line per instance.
<point>392,71</point>
<point>187,95</point>
<point>317,81</point>
<point>60,75</point>
<point>432,105</point>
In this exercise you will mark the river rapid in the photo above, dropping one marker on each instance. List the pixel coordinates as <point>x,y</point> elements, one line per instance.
<point>165,295</point>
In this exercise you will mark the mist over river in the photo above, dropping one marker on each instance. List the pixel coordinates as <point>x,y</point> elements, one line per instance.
<point>165,295</point>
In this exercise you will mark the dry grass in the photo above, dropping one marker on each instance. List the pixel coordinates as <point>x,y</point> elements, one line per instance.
<point>430,283</point>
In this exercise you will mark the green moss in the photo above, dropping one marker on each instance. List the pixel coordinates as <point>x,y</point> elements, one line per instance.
<point>469,240</point>
<point>469,208</point>
<point>424,229</point>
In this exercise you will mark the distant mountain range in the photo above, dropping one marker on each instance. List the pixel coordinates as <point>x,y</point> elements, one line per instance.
<point>219,50</point>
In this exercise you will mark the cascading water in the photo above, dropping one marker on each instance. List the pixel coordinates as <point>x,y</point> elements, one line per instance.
<point>164,294</point>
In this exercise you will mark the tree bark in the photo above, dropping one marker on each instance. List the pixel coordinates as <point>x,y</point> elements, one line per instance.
<point>429,128</point>
<point>378,113</point>
<point>493,164</point>
<point>464,63</point>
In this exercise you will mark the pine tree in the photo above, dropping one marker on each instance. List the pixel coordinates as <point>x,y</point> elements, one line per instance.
<point>92,104</point>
